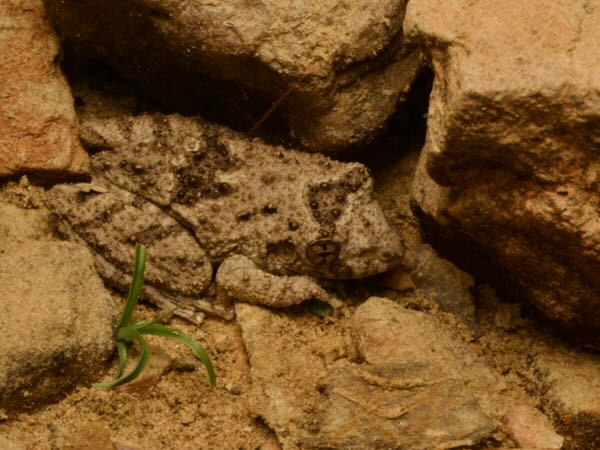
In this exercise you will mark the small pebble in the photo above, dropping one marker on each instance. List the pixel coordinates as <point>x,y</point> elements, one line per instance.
<point>222,343</point>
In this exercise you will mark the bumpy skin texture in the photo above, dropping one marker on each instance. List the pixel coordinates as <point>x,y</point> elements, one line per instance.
<point>196,194</point>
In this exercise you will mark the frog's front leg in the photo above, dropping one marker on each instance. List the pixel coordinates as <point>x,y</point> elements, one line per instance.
<point>239,278</point>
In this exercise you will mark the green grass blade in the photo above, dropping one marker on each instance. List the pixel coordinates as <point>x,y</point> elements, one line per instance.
<point>122,350</point>
<point>188,341</point>
<point>136,285</point>
<point>140,366</point>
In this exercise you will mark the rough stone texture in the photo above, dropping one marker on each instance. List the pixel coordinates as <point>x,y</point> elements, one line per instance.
<point>23,224</point>
<point>90,436</point>
<point>9,444</point>
<point>441,280</point>
<point>345,61</point>
<point>528,426</point>
<point>285,376</point>
<point>312,396</point>
<point>409,406</point>
<point>56,319</point>
<point>510,174</point>
<point>385,332</point>
<point>37,117</point>
<point>569,382</point>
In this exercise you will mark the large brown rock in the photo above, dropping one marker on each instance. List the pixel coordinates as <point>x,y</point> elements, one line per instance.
<point>56,316</point>
<point>37,117</point>
<point>510,175</point>
<point>345,61</point>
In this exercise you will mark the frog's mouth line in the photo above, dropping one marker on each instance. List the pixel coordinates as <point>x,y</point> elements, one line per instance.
<point>323,253</point>
<point>324,257</point>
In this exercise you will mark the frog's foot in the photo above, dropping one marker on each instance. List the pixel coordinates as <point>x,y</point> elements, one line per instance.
<point>189,308</point>
<point>238,278</point>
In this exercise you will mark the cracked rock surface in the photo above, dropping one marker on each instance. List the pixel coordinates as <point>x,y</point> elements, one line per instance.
<point>511,168</point>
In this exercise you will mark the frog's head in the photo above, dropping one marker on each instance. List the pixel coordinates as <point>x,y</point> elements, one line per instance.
<point>355,238</point>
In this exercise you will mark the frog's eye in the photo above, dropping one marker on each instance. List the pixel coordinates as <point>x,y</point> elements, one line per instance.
<point>323,252</point>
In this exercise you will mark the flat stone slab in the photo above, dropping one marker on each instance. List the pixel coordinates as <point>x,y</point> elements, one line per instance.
<point>37,117</point>
<point>411,406</point>
<point>510,173</point>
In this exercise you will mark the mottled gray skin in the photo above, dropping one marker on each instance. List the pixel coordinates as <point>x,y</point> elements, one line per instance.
<point>195,194</point>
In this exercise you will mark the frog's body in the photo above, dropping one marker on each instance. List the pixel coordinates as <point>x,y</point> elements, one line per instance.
<point>196,194</point>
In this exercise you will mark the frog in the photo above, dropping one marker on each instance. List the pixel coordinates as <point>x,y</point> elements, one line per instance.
<point>223,217</point>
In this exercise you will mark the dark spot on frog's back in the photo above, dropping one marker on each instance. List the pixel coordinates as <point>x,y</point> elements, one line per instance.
<point>196,178</point>
<point>244,216</point>
<point>153,233</point>
<point>327,200</point>
<point>269,210</point>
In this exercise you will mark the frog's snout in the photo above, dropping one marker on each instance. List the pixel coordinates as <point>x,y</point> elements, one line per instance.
<point>356,260</point>
<point>323,253</point>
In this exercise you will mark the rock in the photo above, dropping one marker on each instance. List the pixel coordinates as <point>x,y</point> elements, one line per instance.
<point>345,63</point>
<point>37,116</point>
<point>56,319</point>
<point>313,397</point>
<point>9,444</point>
<point>529,427</point>
<point>570,385</point>
<point>441,280</point>
<point>394,172</point>
<point>17,224</point>
<point>507,316</point>
<point>89,436</point>
<point>509,178</point>
<point>270,444</point>
<point>411,406</point>
<point>385,333</point>
<point>223,343</point>
<point>285,376</point>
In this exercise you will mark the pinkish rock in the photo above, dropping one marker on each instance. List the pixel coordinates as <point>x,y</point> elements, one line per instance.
<point>37,116</point>
<point>529,427</point>
<point>510,175</point>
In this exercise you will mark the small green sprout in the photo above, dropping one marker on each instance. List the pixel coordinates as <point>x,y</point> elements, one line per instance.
<point>129,333</point>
